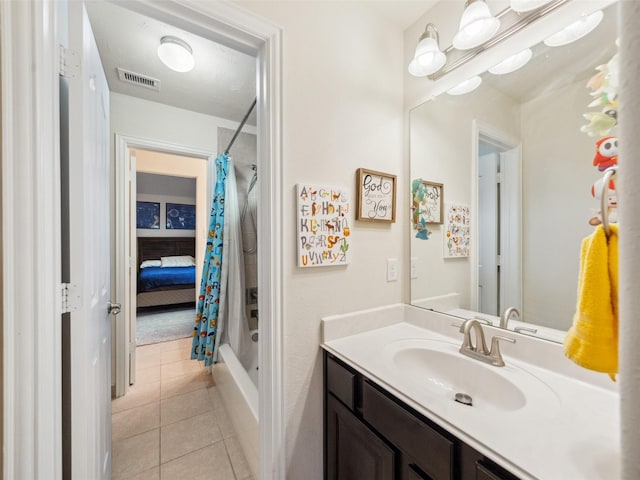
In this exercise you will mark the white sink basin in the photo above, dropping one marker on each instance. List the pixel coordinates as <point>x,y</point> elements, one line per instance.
<point>442,370</point>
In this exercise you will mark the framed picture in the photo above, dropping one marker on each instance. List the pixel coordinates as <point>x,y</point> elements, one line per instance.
<point>148,215</point>
<point>457,232</point>
<point>427,202</point>
<point>181,217</point>
<point>323,231</point>
<point>376,196</point>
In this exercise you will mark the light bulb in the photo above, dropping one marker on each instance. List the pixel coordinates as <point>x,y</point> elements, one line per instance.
<point>465,87</point>
<point>477,25</point>
<point>576,30</point>
<point>513,63</point>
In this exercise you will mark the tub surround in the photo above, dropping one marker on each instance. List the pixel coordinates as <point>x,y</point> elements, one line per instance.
<point>567,426</point>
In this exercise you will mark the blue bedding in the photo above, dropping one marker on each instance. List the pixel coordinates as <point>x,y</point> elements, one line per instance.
<point>157,277</point>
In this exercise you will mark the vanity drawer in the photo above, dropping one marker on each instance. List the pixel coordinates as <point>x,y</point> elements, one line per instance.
<point>341,381</point>
<point>433,453</point>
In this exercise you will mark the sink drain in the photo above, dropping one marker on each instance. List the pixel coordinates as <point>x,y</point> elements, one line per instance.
<point>464,399</point>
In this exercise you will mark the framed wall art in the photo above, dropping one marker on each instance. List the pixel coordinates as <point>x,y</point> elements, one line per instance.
<point>457,232</point>
<point>323,231</point>
<point>427,203</point>
<point>376,201</point>
<point>181,216</point>
<point>148,215</point>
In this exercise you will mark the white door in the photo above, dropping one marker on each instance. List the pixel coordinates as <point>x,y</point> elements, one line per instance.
<point>133,269</point>
<point>488,292</point>
<point>510,231</point>
<point>89,221</point>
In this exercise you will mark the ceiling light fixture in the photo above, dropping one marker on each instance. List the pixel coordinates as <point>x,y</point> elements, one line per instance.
<point>576,30</point>
<point>512,63</point>
<point>176,54</point>
<point>465,87</point>
<point>527,5</point>
<point>428,57</point>
<point>477,25</point>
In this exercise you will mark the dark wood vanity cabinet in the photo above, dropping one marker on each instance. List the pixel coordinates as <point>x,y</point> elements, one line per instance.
<point>371,435</point>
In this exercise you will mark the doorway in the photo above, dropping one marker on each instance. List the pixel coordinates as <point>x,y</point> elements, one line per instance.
<point>497,272</point>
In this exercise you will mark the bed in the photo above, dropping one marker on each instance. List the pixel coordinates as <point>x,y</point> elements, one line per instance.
<point>165,285</point>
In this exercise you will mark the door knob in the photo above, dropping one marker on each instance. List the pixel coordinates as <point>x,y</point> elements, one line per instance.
<point>114,308</point>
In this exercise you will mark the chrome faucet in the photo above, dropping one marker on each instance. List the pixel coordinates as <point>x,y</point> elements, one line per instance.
<point>506,316</point>
<point>479,350</point>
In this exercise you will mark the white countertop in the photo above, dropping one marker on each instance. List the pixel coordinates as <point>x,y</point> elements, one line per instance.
<point>568,429</point>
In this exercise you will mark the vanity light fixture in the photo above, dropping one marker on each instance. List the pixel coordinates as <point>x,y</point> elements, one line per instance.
<point>477,25</point>
<point>428,57</point>
<point>512,63</point>
<point>465,87</point>
<point>576,30</point>
<point>176,54</point>
<point>527,5</point>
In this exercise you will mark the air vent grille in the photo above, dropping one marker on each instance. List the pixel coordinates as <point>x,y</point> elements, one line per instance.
<point>138,79</point>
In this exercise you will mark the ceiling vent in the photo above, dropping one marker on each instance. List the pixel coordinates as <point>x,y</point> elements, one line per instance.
<point>139,79</point>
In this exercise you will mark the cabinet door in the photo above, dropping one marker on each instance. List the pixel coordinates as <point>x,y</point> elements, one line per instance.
<point>484,471</point>
<point>353,451</point>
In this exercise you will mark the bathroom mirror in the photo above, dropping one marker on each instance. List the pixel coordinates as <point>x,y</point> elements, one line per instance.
<point>516,174</point>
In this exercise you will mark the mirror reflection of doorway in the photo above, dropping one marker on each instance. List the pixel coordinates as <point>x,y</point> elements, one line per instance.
<point>499,225</point>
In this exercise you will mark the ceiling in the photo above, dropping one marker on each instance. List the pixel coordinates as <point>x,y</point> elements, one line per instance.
<point>223,82</point>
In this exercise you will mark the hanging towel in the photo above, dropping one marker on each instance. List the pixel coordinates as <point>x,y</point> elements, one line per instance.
<point>592,341</point>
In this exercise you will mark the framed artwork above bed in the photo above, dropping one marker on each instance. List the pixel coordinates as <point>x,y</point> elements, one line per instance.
<point>181,216</point>
<point>148,215</point>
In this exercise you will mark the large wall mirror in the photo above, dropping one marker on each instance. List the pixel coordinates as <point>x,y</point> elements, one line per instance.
<point>516,175</point>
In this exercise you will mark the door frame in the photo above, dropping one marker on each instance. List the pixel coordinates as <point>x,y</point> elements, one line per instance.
<point>479,131</point>
<point>31,237</point>
<point>123,275</point>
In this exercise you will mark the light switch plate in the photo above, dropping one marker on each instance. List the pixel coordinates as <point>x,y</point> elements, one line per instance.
<point>414,267</point>
<point>392,269</point>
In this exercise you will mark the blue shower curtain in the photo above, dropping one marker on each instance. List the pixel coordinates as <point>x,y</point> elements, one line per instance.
<point>205,328</point>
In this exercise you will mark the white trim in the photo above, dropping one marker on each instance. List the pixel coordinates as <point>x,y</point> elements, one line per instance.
<point>123,145</point>
<point>31,241</point>
<point>270,260</point>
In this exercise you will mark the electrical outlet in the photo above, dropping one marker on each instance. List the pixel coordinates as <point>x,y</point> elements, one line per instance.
<point>392,269</point>
<point>414,267</point>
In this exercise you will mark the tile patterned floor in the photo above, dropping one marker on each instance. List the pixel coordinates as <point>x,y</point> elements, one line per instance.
<point>172,425</point>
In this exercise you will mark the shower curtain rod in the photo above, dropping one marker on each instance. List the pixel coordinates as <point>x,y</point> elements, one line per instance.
<point>244,120</point>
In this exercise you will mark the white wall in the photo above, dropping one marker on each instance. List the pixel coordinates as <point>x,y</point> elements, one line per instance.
<point>342,109</point>
<point>441,147</point>
<point>557,175</point>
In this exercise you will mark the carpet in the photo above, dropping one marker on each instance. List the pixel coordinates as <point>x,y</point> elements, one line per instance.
<point>164,326</point>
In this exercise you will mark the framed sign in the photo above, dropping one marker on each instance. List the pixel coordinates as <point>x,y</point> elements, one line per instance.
<point>323,226</point>
<point>427,203</point>
<point>376,196</point>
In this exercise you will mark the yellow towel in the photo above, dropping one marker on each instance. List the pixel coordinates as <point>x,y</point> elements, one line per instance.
<point>592,341</point>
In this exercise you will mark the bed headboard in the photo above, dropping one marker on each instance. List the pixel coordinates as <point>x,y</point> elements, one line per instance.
<point>152,248</point>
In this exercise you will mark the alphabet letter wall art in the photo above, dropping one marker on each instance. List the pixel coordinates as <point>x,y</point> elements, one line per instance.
<point>323,226</point>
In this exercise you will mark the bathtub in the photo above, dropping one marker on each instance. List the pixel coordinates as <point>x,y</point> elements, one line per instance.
<point>239,394</point>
